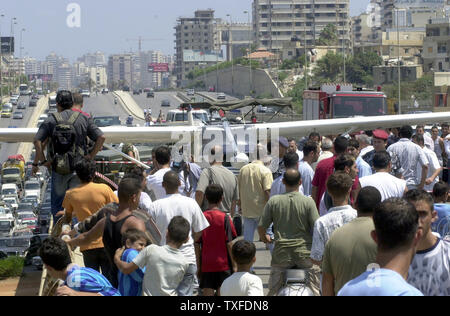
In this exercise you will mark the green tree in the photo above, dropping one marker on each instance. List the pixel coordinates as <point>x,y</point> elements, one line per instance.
<point>328,68</point>
<point>328,36</point>
<point>359,68</point>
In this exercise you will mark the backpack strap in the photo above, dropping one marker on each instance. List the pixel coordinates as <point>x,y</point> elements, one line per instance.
<point>73,118</point>
<point>58,118</point>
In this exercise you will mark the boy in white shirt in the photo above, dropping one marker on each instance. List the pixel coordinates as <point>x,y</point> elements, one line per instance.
<point>165,266</point>
<point>243,283</point>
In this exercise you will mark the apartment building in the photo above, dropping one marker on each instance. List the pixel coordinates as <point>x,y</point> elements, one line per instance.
<point>279,21</point>
<point>409,13</point>
<point>197,39</point>
<point>362,29</point>
<point>436,46</point>
<point>120,70</point>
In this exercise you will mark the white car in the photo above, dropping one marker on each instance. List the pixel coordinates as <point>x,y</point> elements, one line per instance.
<point>12,202</point>
<point>221,96</point>
<point>33,188</point>
<point>86,93</point>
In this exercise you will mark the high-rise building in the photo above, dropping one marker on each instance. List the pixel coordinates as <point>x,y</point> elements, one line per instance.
<point>409,13</point>
<point>277,22</point>
<point>93,60</point>
<point>65,76</point>
<point>197,43</point>
<point>32,66</point>
<point>120,72</point>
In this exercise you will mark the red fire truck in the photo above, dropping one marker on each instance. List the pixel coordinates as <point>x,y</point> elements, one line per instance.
<point>342,101</point>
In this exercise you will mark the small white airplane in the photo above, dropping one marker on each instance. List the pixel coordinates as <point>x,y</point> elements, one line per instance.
<point>296,129</point>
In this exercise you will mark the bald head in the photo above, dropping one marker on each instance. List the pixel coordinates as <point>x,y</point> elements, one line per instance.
<point>171,182</point>
<point>216,154</point>
<point>292,179</point>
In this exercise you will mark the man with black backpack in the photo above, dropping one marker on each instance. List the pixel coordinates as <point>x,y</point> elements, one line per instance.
<point>66,132</point>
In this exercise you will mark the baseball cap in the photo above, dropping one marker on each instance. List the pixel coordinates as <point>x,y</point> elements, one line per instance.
<point>380,134</point>
<point>283,142</point>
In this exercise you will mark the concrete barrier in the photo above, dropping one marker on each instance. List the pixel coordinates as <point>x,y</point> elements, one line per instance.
<point>129,105</point>
<point>206,97</point>
<point>183,97</point>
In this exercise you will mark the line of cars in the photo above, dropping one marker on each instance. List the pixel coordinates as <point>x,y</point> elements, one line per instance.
<point>25,217</point>
<point>8,108</point>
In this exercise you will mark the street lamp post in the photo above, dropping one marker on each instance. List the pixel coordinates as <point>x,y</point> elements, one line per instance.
<point>11,84</point>
<point>341,11</point>
<point>306,54</point>
<point>398,64</point>
<point>1,60</point>
<point>21,49</point>
<point>249,52</point>
<point>230,44</point>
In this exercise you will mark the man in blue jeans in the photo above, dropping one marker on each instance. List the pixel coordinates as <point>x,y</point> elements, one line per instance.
<point>83,128</point>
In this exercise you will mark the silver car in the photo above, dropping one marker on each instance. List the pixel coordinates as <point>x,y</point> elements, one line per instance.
<point>17,116</point>
<point>21,106</point>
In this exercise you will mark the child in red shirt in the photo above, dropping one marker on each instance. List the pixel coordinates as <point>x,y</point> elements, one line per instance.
<point>213,248</point>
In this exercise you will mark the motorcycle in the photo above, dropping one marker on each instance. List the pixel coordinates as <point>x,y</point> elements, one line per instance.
<point>296,284</point>
<point>129,121</point>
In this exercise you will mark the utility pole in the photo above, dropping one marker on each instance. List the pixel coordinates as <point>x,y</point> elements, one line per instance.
<point>249,52</point>
<point>306,55</point>
<point>1,61</point>
<point>11,59</point>
<point>21,49</point>
<point>230,41</point>
<point>398,64</point>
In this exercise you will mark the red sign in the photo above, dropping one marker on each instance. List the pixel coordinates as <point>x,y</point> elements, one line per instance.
<point>158,67</point>
<point>43,77</point>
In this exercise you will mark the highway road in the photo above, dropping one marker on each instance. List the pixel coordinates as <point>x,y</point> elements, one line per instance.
<point>155,103</point>
<point>103,105</point>
<point>11,149</point>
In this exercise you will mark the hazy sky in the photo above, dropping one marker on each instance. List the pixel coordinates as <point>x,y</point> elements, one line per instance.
<point>106,25</point>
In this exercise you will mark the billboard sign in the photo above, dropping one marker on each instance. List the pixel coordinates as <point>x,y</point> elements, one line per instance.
<point>7,44</point>
<point>196,56</point>
<point>158,67</point>
<point>43,77</point>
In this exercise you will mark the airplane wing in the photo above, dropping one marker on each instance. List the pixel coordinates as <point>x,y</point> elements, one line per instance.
<point>171,134</point>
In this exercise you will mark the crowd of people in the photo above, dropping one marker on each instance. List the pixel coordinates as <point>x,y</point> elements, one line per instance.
<point>362,214</point>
